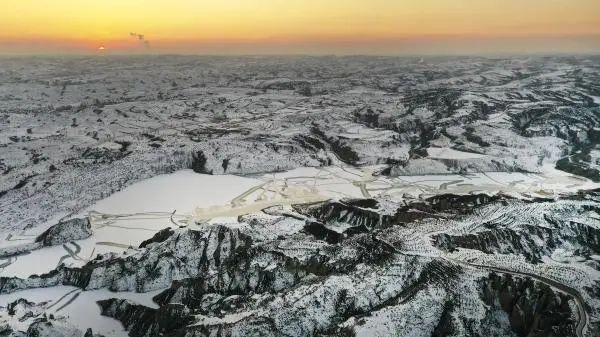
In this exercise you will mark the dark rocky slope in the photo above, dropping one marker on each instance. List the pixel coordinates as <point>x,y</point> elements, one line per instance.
<point>386,279</point>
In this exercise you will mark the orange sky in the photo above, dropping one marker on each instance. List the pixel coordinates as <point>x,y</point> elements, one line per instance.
<point>300,26</point>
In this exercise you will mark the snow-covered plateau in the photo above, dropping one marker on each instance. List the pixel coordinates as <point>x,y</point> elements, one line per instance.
<point>299,196</point>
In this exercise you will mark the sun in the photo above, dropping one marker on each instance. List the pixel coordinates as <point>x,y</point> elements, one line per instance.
<point>101,48</point>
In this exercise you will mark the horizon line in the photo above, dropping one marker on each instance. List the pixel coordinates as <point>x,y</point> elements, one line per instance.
<point>293,54</point>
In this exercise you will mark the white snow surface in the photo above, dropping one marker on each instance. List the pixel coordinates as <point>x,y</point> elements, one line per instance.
<point>83,312</point>
<point>126,218</point>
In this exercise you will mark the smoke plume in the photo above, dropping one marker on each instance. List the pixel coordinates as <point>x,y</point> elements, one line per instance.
<point>141,38</point>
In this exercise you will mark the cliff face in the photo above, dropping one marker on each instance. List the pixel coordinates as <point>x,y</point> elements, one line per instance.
<point>532,308</point>
<point>396,276</point>
<point>142,321</point>
<point>62,232</point>
<point>66,231</point>
<point>571,225</point>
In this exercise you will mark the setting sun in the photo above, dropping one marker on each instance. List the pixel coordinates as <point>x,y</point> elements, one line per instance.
<point>294,26</point>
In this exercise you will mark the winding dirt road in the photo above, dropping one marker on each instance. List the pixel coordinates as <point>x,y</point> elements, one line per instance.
<point>583,317</point>
<point>581,328</point>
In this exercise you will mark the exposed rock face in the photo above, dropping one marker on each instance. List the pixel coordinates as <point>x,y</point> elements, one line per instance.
<point>18,249</point>
<point>45,328</point>
<point>532,236</point>
<point>159,237</point>
<point>66,231</point>
<point>198,163</point>
<point>582,164</point>
<point>142,321</point>
<point>354,216</point>
<point>533,309</point>
<point>250,280</point>
<point>63,232</point>
<point>19,305</point>
<point>37,323</point>
<point>334,220</point>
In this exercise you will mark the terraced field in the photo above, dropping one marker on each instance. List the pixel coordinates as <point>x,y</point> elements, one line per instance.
<point>299,196</point>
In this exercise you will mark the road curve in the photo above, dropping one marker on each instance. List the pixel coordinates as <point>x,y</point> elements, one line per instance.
<point>583,321</point>
<point>583,317</point>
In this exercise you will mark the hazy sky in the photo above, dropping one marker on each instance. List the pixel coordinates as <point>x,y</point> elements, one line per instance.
<point>300,26</point>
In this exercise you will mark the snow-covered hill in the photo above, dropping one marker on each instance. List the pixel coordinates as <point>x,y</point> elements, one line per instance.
<point>299,196</point>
